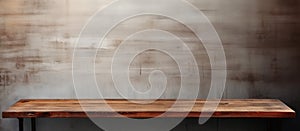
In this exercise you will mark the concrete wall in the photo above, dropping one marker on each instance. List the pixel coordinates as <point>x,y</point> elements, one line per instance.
<point>260,39</point>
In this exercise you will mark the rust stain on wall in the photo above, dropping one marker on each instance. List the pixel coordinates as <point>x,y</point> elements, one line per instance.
<point>23,59</point>
<point>12,40</point>
<point>7,78</point>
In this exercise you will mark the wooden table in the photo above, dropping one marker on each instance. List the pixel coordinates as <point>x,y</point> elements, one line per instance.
<point>67,108</point>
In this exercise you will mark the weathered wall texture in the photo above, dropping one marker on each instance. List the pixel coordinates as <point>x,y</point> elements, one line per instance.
<point>260,38</point>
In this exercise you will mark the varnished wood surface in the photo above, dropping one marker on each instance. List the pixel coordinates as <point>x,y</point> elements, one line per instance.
<point>66,108</point>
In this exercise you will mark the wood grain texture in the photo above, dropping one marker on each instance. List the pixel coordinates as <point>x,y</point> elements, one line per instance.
<point>67,108</point>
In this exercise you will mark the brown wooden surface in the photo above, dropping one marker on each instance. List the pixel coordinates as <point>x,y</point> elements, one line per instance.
<point>65,108</point>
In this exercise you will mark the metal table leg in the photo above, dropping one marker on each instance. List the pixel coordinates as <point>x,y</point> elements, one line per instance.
<point>33,124</point>
<point>21,127</point>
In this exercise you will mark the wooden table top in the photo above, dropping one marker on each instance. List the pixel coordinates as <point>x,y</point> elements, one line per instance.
<point>67,108</point>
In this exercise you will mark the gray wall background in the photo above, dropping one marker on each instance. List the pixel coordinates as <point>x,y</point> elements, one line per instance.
<point>260,39</point>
